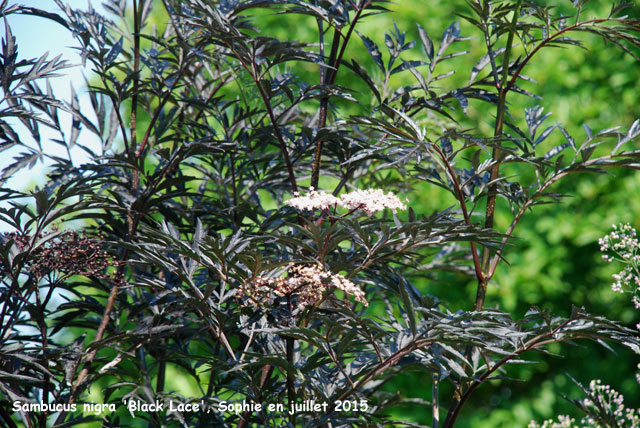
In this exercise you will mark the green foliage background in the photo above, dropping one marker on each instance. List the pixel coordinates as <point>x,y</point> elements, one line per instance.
<point>556,261</point>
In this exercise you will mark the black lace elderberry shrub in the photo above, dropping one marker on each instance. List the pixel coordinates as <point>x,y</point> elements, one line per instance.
<point>252,249</point>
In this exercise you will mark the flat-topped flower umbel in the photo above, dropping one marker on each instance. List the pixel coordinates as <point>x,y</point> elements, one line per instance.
<point>369,200</point>
<point>313,200</point>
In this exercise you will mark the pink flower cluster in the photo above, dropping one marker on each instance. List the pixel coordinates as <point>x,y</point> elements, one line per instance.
<point>313,200</point>
<point>304,283</point>
<point>369,200</point>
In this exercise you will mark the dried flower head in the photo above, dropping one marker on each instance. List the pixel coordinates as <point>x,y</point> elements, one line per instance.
<point>304,284</point>
<point>69,253</point>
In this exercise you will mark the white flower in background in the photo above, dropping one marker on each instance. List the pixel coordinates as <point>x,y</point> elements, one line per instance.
<point>622,245</point>
<point>603,402</point>
<point>563,422</point>
<point>369,200</point>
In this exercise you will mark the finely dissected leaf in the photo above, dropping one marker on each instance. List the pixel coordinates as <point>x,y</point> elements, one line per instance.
<point>449,36</point>
<point>113,53</point>
<point>426,43</point>
<point>373,50</point>
<point>632,133</point>
<point>483,62</point>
